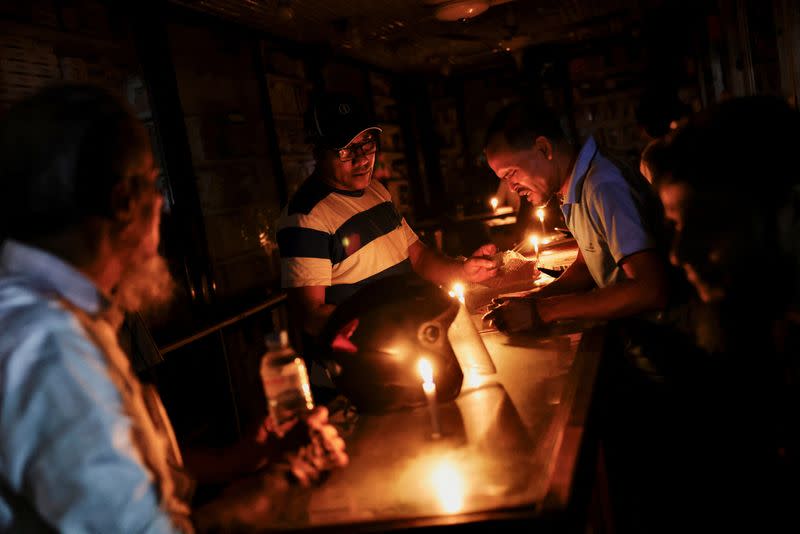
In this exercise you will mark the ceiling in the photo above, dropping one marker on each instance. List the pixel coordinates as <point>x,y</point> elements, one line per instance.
<point>405,35</point>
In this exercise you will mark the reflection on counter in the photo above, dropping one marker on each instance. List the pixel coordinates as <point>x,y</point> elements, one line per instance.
<point>482,460</point>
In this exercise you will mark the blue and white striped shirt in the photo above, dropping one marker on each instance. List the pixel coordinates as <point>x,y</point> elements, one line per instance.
<point>342,240</point>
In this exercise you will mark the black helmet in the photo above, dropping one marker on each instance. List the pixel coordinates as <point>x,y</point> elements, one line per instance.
<point>378,336</point>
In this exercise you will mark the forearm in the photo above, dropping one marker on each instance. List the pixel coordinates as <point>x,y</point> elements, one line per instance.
<point>438,268</point>
<point>576,279</point>
<point>246,506</point>
<point>212,466</point>
<point>622,299</point>
<point>314,319</point>
<point>312,313</point>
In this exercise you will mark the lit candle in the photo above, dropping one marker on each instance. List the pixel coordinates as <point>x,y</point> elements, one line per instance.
<point>458,292</point>
<point>534,241</point>
<point>494,203</point>
<point>429,387</point>
<point>540,216</point>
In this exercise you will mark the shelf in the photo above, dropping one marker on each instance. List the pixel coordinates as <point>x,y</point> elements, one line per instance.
<point>287,79</point>
<point>287,116</point>
<point>46,33</point>
<point>610,95</point>
<point>297,155</point>
<point>199,164</point>
<point>632,69</point>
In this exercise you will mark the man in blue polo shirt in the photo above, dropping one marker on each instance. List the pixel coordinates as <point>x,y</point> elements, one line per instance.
<point>341,231</point>
<point>620,269</point>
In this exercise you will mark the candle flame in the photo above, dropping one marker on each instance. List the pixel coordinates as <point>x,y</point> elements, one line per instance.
<point>425,370</point>
<point>540,214</point>
<point>458,291</point>
<point>494,203</point>
<point>533,239</point>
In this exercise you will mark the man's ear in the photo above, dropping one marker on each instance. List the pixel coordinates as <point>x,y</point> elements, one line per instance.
<point>543,145</point>
<point>122,201</point>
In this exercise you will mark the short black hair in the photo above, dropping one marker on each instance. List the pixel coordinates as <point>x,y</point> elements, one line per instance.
<point>62,151</point>
<point>521,123</point>
<point>657,157</point>
<point>657,109</point>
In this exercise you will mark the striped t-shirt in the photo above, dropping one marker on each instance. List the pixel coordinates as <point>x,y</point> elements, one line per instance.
<point>341,239</point>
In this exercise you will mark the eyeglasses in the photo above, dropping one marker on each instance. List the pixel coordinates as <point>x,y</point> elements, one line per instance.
<point>351,151</point>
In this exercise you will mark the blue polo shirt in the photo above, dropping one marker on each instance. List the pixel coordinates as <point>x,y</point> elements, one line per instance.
<point>606,214</point>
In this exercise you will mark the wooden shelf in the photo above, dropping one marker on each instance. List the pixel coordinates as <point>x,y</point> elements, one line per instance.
<point>287,79</point>
<point>47,33</point>
<point>229,161</point>
<point>287,116</point>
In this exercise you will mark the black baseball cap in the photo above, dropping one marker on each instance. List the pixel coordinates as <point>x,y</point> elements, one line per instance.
<point>333,120</point>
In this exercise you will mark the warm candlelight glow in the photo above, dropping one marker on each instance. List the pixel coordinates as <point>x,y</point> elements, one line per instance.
<point>458,291</point>
<point>425,371</point>
<point>448,483</point>
<point>429,387</point>
<point>540,216</point>
<point>494,203</point>
<point>533,239</point>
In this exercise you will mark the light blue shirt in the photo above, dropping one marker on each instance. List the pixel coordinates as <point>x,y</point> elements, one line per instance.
<point>65,442</point>
<point>603,211</point>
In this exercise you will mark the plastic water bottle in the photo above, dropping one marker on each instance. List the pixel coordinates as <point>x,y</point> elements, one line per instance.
<point>285,380</point>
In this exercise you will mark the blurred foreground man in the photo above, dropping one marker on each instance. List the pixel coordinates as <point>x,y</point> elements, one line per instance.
<point>83,445</point>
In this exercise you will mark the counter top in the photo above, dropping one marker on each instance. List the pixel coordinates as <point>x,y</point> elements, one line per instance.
<point>509,448</point>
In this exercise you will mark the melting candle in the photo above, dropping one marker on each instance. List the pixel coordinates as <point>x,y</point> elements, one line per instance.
<point>429,387</point>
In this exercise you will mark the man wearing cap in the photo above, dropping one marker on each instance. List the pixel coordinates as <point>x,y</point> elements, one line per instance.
<point>341,231</point>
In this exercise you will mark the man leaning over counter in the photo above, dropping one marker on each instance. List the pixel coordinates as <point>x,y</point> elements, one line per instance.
<point>620,269</point>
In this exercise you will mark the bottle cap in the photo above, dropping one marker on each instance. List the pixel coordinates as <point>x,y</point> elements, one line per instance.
<point>277,340</point>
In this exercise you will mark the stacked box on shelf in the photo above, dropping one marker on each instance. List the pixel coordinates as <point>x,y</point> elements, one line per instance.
<point>26,65</point>
<point>88,17</point>
<point>289,94</point>
<point>451,154</point>
<point>391,166</point>
<point>606,92</point>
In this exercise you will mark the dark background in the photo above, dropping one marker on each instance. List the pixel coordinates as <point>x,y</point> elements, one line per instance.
<point>222,86</point>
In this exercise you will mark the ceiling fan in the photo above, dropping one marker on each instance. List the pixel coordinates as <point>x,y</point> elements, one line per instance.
<point>461,10</point>
<point>507,40</point>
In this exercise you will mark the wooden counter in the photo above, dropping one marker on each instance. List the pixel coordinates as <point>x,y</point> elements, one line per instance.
<point>510,446</point>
